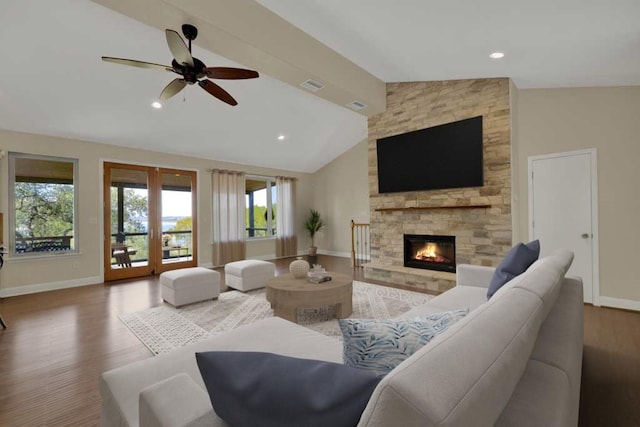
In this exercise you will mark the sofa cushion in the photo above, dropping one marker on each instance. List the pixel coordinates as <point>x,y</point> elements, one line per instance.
<point>560,343</point>
<point>379,345</point>
<point>541,398</point>
<point>120,387</point>
<point>467,375</point>
<point>516,262</point>
<point>543,278</point>
<point>470,297</point>
<point>158,402</point>
<point>266,389</point>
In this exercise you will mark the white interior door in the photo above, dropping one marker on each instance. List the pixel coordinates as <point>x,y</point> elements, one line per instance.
<point>563,211</point>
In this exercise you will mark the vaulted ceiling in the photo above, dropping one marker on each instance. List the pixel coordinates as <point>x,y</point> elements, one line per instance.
<point>53,82</point>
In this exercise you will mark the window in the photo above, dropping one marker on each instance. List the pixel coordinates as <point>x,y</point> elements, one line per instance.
<point>43,204</point>
<point>260,198</point>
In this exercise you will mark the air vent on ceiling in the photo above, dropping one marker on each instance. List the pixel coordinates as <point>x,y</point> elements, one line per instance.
<point>356,105</point>
<point>312,85</point>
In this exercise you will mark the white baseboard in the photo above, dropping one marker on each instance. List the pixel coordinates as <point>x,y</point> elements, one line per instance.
<point>335,253</point>
<point>626,304</point>
<point>206,265</point>
<point>302,252</point>
<point>265,257</point>
<point>51,286</point>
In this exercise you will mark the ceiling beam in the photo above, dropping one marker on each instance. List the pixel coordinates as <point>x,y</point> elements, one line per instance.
<point>246,32</point>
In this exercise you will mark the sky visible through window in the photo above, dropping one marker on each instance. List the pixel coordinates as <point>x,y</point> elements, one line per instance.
<point>178,203</point>
<point>174,203</point>
<point>260,197</point>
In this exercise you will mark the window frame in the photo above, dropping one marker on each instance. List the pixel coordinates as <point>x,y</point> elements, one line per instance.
<point>270,182</point>
<point>12,206</point>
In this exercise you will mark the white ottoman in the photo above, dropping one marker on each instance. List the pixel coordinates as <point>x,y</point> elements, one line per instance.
<point>189,285</point>
<point>248,274</point>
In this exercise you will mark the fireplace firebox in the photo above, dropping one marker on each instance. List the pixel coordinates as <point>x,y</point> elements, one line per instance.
<point>430,252</point>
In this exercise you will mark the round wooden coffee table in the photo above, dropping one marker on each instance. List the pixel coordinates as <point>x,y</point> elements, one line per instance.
<point>286,294</point>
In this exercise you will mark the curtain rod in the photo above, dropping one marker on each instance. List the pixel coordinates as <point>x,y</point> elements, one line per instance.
<point>252,174</point>
<point>223,170</point>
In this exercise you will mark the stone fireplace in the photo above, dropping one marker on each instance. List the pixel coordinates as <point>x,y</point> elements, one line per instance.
<point>478,217</point>
<point>430,252</point>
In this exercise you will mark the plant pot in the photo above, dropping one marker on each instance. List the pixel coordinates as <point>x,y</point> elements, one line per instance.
<point>313,250</point>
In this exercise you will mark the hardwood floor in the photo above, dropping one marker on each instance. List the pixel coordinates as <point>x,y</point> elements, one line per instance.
<point>59,342</point>
<point>611,368</point>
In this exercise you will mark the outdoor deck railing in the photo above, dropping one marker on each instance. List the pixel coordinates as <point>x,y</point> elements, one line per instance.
<point>138,242</point>
<point>43,244</point>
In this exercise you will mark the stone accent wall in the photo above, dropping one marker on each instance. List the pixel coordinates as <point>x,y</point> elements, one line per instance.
<point>483,235</point>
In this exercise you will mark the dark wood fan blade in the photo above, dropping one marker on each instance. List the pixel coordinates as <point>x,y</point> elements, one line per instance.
<point>230,73</point>
<point>139,64</point>
<point>178,48</point>
<point>217,91</point>
<point>172,88</point>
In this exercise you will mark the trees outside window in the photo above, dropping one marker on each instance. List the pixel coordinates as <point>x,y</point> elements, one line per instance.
<point>260,214</point>
<point>43,204</point>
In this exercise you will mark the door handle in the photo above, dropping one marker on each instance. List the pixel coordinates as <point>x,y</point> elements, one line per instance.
<point>585,235</point>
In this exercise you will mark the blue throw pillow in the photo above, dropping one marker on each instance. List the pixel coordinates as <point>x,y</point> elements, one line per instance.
<point>379,345</point>
<point>270,390</point>
<point>516,262</point>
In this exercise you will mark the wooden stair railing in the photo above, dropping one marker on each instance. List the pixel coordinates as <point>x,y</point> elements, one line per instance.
<point>360,243</point>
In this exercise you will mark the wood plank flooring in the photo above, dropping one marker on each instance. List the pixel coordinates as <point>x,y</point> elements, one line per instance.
<point>59,342</point>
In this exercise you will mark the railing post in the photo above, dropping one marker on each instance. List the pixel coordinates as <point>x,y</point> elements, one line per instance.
<point>353,249</point>
<point>359,245</point>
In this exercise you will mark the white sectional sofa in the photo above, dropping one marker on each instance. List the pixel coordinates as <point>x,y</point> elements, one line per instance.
<point>513,360</point>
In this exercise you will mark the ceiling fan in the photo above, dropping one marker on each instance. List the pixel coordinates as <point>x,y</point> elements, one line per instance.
<point>191,69</point>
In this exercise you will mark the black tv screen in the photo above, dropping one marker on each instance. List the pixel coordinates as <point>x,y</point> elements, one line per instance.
<point>439,157</point>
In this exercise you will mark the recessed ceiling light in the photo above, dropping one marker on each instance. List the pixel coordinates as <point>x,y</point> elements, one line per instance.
<point>156,105</point>
<point>496,55</point>
<point>280,137</point>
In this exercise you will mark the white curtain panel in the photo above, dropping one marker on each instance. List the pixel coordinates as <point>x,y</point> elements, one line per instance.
<point>228,216</point>
<point>286,239</point>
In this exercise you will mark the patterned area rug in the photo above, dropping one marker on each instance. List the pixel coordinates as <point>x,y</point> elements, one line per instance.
<point>165,328</point>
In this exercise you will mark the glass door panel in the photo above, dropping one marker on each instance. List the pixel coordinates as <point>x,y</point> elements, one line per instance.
<point>177,219</point>
<point>127,208</point>
<point>150,220</point>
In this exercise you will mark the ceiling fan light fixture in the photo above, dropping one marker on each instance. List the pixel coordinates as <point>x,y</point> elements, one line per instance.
<point>496,55</point>
<point>189,69</point>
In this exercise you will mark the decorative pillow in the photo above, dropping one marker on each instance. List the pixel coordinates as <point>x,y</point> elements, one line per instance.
<point>265,389</point>
<point>516,262</point>
<point>379,345</point>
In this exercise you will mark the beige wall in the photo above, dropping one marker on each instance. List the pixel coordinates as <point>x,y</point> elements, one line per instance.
<point>86,267</point>
<point>341,193</point>
<point>515,168</point>
<point>558,120</point>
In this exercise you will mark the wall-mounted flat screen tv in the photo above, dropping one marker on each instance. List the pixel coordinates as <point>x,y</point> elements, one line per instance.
<point>439,157</point>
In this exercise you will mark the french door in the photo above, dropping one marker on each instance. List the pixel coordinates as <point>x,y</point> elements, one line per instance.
<point>150,221</point>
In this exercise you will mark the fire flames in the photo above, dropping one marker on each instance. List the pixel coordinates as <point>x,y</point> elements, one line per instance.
<point>428,253</point>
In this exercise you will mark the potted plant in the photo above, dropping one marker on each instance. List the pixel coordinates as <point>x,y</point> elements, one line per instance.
<point>313,224</point>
